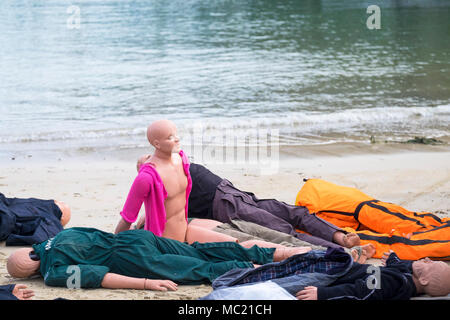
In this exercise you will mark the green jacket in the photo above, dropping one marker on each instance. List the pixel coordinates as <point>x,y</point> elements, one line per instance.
<point>82,256</point>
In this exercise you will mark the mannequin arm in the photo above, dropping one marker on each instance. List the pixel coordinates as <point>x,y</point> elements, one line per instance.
<point>117,281</point>
<point>122,226</point>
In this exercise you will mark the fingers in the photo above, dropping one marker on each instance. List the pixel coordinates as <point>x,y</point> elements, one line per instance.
<point>22,293</point>
<point>27,294</point>
<point>172,286</point>
<point>167,285</point>
<point>20,286</point>
<point>303,296</point>
<point>386,256</point>
<point>306,294</point>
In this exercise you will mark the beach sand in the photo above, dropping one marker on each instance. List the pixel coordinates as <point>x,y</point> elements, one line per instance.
<point>95,185</point>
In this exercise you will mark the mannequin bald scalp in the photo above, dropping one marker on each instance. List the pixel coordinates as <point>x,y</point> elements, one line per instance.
<point>431,277</point>
<point>20,265</point>
<point>158,130</point>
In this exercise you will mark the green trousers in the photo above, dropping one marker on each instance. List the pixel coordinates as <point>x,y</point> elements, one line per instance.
<point>86,255</point>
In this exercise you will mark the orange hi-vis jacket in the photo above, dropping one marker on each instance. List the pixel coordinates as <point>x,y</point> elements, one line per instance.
<point>387,226</point>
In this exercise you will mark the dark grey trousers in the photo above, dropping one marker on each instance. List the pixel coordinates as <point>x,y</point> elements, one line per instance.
<point>233,204</point>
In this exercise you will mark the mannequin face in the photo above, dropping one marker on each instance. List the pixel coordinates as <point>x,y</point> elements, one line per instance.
<point>434,276</point>
<point>163,136</point>
<point>424,267</point>
<point>170,142</point>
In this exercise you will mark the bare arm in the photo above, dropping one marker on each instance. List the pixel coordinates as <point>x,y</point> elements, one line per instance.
<point>117,281</point>
<point>122,226</point>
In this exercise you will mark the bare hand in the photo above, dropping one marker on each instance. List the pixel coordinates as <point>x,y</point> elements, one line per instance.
<point>160,285</point>
<point>386,256</point>
<point>308,293</point>
<point>22,293</point>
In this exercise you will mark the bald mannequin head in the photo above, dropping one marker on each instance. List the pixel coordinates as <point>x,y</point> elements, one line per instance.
<point>432,277</point>
<point>65,212</point>
<point>162,134</point>
<point>20,264</point>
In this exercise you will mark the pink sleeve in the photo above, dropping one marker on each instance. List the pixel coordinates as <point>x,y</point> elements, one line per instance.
<point>138,192</point>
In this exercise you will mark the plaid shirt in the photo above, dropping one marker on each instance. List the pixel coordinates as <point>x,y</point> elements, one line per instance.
<point>316,261</point>
<point>293,267</point>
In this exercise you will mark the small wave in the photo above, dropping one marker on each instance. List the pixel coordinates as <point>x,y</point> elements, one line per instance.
<point>294,127</point>
<point>327,120</point>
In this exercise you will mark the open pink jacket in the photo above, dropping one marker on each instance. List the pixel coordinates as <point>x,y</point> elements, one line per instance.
<point>148,187</point>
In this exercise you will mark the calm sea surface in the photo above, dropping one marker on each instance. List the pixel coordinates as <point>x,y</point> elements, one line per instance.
<point>313,70</point>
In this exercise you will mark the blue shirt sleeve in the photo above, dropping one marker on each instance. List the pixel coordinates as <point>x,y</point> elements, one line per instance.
<point>6,292</point>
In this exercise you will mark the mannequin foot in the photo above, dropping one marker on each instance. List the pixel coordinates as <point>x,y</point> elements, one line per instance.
<point>360,254</point>
<point>348,240</point>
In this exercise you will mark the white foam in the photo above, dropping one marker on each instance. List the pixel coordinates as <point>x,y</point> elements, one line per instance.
<point>294,127</point>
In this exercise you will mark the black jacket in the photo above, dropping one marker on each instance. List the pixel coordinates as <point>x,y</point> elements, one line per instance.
<point>395,282</point>
<point>28,221</point>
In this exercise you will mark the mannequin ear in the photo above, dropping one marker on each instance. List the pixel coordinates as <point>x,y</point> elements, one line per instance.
<point>156,144</point>
<point>424,279</point>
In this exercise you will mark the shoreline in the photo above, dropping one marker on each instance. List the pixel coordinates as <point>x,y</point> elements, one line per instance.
<point>95,186</point>
<point>32,151</point>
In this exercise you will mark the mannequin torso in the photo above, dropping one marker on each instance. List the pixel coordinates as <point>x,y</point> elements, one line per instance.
<point>175,182</point>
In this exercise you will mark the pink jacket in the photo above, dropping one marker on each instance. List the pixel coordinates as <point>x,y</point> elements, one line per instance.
<point>148,187</point>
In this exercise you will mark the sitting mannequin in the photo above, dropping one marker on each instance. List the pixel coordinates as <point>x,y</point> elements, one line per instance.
<point>399,280</point>
<point>163,184</point>
<point>135,259</point>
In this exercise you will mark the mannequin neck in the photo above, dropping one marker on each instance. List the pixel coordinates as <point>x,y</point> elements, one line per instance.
<point>163,156</point>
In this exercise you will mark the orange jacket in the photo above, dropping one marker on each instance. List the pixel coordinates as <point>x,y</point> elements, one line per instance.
<point>388,226</point>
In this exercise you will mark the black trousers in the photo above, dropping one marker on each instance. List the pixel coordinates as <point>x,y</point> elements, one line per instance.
<point>231,203</point>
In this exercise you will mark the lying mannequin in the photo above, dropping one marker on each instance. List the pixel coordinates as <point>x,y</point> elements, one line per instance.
<point>25,221</point>
<point>399,280</point>
<point>135,259</point>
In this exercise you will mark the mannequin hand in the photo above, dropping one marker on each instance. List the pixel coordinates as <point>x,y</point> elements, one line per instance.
<point>308,293</point>
<point>22,293</point>
<point>160,285</point>
<point>385,257</point>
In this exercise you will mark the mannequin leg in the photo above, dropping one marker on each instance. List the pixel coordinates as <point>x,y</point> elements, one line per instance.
<point>196,233</point>
<point>205,223</point>
<point>281,252</point>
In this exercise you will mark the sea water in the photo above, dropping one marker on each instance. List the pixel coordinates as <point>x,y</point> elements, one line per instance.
<point>93,74</point>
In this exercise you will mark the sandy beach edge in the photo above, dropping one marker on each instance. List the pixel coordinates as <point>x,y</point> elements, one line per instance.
<point>95,185</point>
